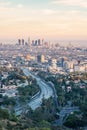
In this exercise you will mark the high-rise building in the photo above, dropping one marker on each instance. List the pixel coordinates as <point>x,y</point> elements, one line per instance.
<point>36,42</point>
<point>23,42</point>
<point>54,63</point>
<point>42,42</point>
<point>29,42</point>
<point>19,41</point>
<point>39,42</point>
<point>41,58</point>
<point>33,42</point>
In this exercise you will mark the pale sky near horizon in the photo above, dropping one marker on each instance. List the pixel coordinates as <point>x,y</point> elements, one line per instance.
<point>50,19</point>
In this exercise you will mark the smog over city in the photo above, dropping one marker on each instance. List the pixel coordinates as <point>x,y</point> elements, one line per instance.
<point>43,65</point>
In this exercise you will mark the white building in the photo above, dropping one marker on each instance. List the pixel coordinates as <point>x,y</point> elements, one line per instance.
<point>80,67</point>
<point>54,63</point>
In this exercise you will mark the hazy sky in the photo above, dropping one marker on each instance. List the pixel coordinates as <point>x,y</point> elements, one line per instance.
<point>50,19</point>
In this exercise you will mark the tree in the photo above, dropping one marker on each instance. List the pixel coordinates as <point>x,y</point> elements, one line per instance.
<point>4,114</point>
<point>73,121</point>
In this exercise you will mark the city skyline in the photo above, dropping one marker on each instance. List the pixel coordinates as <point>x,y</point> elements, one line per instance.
<point>50,19</point>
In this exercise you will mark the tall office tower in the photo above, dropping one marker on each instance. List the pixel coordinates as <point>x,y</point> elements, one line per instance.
<point>22,41</point>
<point>36,42</point>
<point>42,42</point>
<point>29,42</point>
<point>62,61</point>
<point>41,58</point>
<point>39,42</point>
<point>33,42</point>
<point>19,41</point>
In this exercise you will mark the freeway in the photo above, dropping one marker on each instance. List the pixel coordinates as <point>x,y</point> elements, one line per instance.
<point>64,113</point>
<point>46,91</point>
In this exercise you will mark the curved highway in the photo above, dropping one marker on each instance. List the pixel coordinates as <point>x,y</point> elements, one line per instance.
<point>45,90</point>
